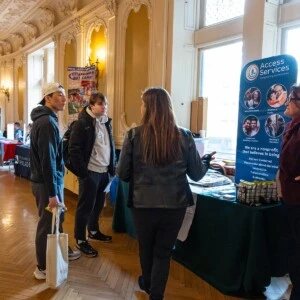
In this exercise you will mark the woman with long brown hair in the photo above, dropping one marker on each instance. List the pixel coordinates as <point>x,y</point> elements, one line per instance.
<point>155,159</point>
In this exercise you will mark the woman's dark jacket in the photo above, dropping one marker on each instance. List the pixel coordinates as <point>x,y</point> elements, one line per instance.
<point>289,163</point>
<point>160,187</point>
<point>82,141</point>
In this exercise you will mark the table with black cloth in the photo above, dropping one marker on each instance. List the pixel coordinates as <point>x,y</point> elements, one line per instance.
<point>22,161</point>
<point>122,219</point>
<point>234,247</point>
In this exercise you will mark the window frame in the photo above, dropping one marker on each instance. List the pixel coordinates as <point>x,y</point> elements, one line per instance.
<point>203,16</point>
<point>220,43</point>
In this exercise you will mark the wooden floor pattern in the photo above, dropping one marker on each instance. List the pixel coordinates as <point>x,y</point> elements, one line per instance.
<point>113,275</point>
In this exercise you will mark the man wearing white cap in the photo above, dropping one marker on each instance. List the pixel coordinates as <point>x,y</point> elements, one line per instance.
<point>47,168</point>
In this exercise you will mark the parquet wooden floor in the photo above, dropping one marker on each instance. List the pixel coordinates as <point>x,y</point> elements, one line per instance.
<point>113,275</point>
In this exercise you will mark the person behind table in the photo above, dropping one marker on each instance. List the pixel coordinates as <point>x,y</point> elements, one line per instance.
<point>155,159</point>
<point>27,139</point>
<point>5,132</point>
<point>92,155</point>
<point>47,169</point>
<point>289,185</point>
<point>18,134</point>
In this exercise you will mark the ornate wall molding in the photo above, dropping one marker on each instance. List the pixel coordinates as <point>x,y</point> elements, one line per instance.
<point>20,61</point>
<point>94,26</point>
<point>124,10</point>
<point>4,4</point>
<point>33,21</point>
<point>46,18</point>
<point>77,24</point>
<point>67,37</point>
<point>8,63</point>
<point>17,41</point>
<point>68,7</point>
<point>100,23</point>
<point>136,4</point>
<point>111,6</point>
<point>6,46</point>
<point>30,31</point>
<point>55,39</point>
<point>12,11</point>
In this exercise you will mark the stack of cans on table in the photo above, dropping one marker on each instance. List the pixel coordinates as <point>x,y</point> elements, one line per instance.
<point>257,192</point>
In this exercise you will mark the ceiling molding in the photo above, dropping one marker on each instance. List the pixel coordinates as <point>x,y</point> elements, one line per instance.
<point>31,22</point>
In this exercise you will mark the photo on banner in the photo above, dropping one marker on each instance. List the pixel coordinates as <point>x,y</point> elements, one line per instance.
<point>81,85</point>
<point>264,87</point>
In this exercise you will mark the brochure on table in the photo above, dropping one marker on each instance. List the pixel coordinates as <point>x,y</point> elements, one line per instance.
<point>264,87</point>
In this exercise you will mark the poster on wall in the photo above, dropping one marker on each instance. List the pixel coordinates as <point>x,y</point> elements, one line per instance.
<point>264,87</point>
<point>81,84</point>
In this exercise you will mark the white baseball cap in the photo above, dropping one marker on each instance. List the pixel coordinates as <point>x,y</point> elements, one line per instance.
<point>49,88</point>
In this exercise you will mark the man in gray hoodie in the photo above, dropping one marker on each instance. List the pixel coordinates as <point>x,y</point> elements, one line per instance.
<point>47,168</point>
<point>92,156</point>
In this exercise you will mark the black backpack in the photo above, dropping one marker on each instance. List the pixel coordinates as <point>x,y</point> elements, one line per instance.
<point>66,140</point>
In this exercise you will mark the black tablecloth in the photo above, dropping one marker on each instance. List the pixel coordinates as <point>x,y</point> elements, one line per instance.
<point>22,161</point>
<point>234,247</point>
<point>122,219</point>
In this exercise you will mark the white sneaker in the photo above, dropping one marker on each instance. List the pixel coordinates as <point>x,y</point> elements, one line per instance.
<point>73,254</point>
<point>39,274</point>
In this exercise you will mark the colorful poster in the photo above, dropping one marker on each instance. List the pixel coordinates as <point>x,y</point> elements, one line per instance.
<point>81,84</point>
<point>264,88</point>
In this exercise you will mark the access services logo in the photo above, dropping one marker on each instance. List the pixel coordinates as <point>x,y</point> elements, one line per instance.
<point>252,72</point>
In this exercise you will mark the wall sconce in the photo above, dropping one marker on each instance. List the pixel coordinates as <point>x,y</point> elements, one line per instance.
<point>5,90</point>
<point>99,64</point>
<point>89,64</point>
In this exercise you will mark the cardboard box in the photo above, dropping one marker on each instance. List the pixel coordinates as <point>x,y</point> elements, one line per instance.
<point>194,116</point>
<point>199,114</point>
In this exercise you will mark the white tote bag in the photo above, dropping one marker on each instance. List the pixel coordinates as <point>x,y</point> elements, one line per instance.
<point>57,254</point>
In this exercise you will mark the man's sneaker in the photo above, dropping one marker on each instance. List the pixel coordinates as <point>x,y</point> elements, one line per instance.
<point>39,274</point>
<point>73,254</point>
<point>87,249</point>
<point>98,236</point>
